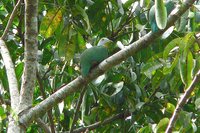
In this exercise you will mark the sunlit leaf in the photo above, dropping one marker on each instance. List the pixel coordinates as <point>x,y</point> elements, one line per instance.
<point>1,111</point>
<point>160,14</point>
<point>171,46</point>
<point>61,107</point>
<point>162,125</point>
<point>170,108</point>
<point>118,87</point>
<point>167,32</point>
<point>197,103</point>
<point>146,129</point>
<point>186,65</point>
<point>50,22</point>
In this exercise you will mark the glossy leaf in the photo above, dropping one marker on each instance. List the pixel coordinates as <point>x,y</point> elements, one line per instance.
<point>162,125</point>
<point>186,65</point>
<point>170,108</point>
<point>160,14</point>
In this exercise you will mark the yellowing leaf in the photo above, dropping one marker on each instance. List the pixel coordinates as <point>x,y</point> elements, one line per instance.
<point>170,108</point>
<point>50,22</point>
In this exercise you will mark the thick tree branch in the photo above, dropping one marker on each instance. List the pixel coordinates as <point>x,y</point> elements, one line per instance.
<point>113,60</point>
<point>182,101</point>
<point>13,84</point>
<point>10,71</point>
<point>30,56</point>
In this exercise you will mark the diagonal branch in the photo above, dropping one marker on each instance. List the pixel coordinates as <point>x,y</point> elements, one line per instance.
<point>11,20</point>
<point>182,101</point>
<point>10,71</point>
<point>101,123</point>
<point>77,109</point>
<point>43,125</point>
<point>49,112</point>
<point>110,62</point>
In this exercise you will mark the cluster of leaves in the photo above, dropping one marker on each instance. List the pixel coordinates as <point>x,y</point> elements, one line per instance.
<point>148,84</point>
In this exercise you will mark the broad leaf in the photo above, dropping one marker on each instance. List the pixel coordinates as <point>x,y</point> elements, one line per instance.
<point>161,14</point>
<point>50,22</point>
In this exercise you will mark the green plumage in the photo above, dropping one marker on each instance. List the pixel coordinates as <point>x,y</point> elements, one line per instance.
<point>92,56</point>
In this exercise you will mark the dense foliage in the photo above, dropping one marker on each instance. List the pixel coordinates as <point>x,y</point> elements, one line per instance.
<point>146,86</point>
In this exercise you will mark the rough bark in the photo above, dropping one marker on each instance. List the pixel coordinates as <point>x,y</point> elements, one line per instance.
<point>30,55</point>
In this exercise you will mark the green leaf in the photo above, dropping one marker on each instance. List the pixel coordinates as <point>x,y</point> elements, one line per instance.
<point>152,19</point>
<point>19,70</point>
<point>146,129</point>
<point>170,108</point>
<point>189,41</point>
<point>85,17</point>
<point>157,78</point>
<point>181,24</point>
<point>117,100</point>
<point>3,78</point>
<point>67,48</point>
<point>174,43</point>
<point>162,125</point>
<point>190,67</point>
<point>186,65</point>
<point>197,103</point>
<point>2,115</point>
<point>118,87</point>
<point>50,22</point>
<point>169,68</point>
<point>161,14</point>
<point>46,57</point>
<point>150,68</point>
<point>1,111</point>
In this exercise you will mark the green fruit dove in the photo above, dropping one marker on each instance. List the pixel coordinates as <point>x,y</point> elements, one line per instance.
<point>93,56</point>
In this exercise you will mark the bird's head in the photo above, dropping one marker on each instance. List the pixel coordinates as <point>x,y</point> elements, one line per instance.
<point>104,42</point>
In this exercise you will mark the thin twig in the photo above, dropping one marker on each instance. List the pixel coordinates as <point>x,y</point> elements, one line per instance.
<point>11,20</point>
<point>49,113</point>
<point>43,125</point>
<point>101,123</point>
<point>77,108</point>
<point>182,101</point>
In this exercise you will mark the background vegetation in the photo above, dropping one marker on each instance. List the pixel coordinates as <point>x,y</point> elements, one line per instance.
<point>138,95</point>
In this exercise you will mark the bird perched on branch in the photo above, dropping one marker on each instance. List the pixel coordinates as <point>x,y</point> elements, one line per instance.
<point>94,55</point>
